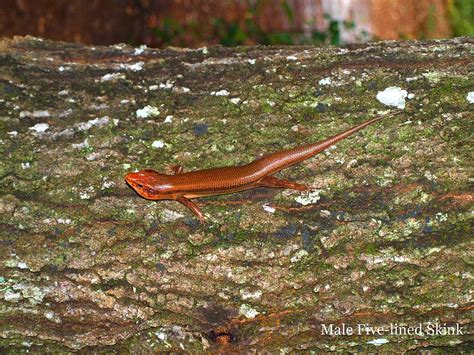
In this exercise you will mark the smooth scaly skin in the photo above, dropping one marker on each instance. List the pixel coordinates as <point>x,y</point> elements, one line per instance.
<point>184,186</point>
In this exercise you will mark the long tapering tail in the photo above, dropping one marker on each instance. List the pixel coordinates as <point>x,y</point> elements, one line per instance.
<point>272,163</point>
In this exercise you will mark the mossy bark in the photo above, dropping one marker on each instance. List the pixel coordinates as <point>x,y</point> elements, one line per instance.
<point>384,239</point>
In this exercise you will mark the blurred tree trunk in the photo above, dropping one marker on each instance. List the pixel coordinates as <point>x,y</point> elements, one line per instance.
<point>384,239</point>
<point>192,23</point>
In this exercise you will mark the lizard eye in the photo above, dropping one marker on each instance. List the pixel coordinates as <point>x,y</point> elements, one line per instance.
<point>140,185</point>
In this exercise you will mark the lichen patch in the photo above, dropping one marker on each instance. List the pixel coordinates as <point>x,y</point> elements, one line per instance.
<point>393,96</point>
<point>39,128</point>
<point>148,111</point>
<point>470,97</point>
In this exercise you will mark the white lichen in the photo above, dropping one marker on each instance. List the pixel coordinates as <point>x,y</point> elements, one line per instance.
<point>413,78</point>
<point>98,107</point>
<point>247,311</point>
<point>53,317</point>
<point>352,163</point>
<point>158,144</point>
<point>86,193</point>
<point>325,81</point>
<point>291,57</point>
<point>181,90</point>
<point>168,119</point>
<point>378,342</point>
<point>428,175</point>
<point>11,296</point>
<point>22,265</point>
<point>235,100</point>
<point>220,93</point>
<point>324,213</point>
<point>107,184</point>
<point>168,85</point>
<point>268,208</point>
<point>162,336</point>
<point>470,97</point>
<point>441,217</point>
<point>84,126</point>
<point>39,128</point>
<point>35,114</point>
<point>393,96</point>
<point>147,111</point>
<point>246,294</point>
<point>309,197</point>
<point>93,156</point>
<point>84,196</point>
<point>64,220</point>
<point>81,145</point>
<point>112,77</point>
<point>132,67</point>
<point>140,50</point>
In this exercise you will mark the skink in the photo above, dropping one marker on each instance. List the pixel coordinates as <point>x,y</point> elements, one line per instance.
<point>184,186</point>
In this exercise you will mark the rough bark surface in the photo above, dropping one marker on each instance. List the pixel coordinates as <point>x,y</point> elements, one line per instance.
<point>384,238</point>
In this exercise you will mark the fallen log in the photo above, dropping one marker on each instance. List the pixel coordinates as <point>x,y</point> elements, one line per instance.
<point>375,257</point>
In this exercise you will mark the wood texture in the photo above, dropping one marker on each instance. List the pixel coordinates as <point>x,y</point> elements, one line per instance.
<point>384,238</point>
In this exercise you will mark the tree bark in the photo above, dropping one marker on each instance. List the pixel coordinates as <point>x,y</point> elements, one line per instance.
<point>383,240</point>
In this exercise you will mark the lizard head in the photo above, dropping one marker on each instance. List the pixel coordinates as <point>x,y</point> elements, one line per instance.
<point>150,184</point>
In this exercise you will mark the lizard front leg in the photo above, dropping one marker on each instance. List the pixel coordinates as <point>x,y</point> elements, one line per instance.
<point>193,207</point>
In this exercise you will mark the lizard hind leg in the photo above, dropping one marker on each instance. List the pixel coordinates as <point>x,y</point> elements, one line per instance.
<point>276,183</point>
